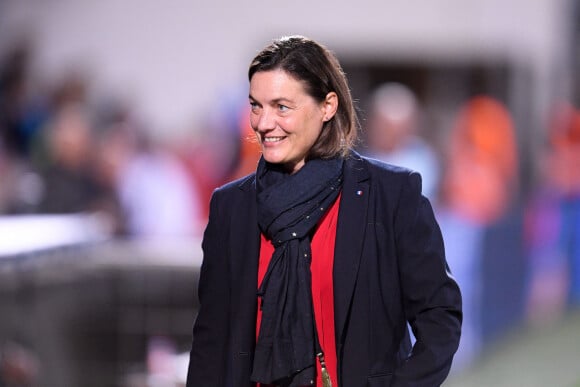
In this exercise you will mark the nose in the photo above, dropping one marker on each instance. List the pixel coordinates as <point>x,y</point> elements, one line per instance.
<point>264,121</point>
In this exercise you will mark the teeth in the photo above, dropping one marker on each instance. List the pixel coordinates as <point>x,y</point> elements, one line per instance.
<point>273,139</point>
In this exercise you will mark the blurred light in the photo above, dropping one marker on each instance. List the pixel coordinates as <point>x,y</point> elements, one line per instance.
<point>28,233</point>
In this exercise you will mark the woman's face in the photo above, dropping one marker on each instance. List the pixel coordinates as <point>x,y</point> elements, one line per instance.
<point>286,120</point>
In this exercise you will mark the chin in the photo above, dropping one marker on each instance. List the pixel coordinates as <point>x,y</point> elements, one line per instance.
<point>273,159</point>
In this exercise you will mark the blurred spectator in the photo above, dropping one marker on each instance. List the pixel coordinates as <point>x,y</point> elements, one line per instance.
<point>393,134</point>
<point>553,221</point>
<point>114,147</point>
<point>22,112</point>
<point>69,183</point>
<point>65,156</point>
<point>220,150</point>
<point>481,172</point>
<point>479,225</point>
<point>157,195</point>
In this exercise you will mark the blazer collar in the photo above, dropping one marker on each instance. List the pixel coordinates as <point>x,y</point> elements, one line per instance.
<point>350,233</point>
<point>248,182</point>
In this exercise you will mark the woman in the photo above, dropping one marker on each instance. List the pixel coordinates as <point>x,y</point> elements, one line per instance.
<point>314,264</point>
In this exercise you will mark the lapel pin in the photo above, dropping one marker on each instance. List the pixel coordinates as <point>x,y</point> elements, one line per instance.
<point>359,193</point>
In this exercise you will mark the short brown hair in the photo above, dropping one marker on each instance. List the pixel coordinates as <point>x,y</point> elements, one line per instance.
<point>318,68</point>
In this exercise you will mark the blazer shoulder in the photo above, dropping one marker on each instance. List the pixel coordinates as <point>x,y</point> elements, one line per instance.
<point>243,183</point>
<point>381,168</point>
<point>392,176</point>
<point>232,196</point>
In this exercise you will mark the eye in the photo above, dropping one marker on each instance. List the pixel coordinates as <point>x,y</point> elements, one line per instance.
<point>254,106</point>
<point>283,108</point>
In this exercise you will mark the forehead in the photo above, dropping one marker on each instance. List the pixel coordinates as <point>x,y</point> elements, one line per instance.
<point>275,84</point>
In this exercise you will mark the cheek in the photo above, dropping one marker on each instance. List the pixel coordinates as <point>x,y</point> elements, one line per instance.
<point>253,121</point>
<point>314,128</point>
<point>256,135</point>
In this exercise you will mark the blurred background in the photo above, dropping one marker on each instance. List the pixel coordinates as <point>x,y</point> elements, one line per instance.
<point>119,118</point>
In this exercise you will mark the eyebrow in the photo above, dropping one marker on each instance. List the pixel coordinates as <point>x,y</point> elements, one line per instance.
<point>274,101</point>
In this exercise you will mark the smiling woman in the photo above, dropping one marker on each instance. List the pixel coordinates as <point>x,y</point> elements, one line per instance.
<point>314,264</point>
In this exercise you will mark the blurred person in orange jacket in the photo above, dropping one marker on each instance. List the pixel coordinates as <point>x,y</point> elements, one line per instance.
<point>478,186</point>
<point>481,172</point>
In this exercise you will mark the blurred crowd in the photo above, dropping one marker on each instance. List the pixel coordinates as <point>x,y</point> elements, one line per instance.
<point>470,182</point>
<point>514,252</point>
<point>65,150</point>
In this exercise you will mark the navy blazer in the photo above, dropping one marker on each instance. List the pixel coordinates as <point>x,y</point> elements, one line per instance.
<point>389,269</point>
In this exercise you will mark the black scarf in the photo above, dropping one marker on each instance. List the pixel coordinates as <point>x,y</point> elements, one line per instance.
<point>289,208</point>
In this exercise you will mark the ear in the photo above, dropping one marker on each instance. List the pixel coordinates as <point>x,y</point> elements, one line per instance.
<point>329,106</point>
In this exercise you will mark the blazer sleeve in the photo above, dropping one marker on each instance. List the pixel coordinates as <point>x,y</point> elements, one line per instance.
<point>208,351</point>
<point>431,297</point>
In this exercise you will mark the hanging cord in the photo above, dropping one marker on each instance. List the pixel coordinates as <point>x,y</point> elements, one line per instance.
<point>326,382</point>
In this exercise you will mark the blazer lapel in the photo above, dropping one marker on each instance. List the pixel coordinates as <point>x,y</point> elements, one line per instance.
<point>350,233</point>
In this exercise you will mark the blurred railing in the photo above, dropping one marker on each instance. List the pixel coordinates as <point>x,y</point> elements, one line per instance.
<point>93,311</point>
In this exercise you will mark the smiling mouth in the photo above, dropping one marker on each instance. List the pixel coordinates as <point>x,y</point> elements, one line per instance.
<point>273,139</point>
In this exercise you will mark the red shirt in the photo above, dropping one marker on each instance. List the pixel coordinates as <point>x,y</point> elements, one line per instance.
<point>322,246</point>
